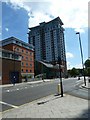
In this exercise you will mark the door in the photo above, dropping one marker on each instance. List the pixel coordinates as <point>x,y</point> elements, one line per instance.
<point>14,77</point>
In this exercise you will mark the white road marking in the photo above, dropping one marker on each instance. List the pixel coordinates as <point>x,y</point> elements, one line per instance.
<point>8,90</point>
<point>78,81</point>
<point>9,104</point>
<point>31,86</point>
<point>25,87</point>
<point>17,88</point>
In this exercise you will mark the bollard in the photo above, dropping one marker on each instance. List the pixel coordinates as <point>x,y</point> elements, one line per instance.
<point>59,89</point>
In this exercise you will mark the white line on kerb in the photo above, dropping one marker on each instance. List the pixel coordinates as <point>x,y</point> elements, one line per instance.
<point>9,104</point>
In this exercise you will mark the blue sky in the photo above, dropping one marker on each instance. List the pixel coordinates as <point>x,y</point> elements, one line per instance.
<point>18,16</point>
<point>14,22</point>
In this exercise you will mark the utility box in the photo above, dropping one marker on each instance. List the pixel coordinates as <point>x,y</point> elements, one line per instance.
<point>59,89</point>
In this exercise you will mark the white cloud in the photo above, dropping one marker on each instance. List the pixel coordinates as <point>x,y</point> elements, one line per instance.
<point>17,4</point>
<point>70,66</point>
<point>7,29</point>
<point>69,55</point>
<point>80,30</point>
<point>73,13</point>
<point>78,66</point>
<point>38,18</point>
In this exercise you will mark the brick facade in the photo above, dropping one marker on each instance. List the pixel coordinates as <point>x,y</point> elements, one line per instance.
<point>7,68</point>
<point>25,50</point>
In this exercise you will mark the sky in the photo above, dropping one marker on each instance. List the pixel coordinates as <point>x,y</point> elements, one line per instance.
<point>19,15</point>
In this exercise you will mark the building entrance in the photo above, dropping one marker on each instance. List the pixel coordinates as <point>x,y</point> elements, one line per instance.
<point>14,77</point>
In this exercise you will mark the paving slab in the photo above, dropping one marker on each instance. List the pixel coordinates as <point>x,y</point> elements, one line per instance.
<point>51,107</point>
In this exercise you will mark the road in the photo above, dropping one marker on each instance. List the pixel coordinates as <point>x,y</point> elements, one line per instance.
<point>15,96</point>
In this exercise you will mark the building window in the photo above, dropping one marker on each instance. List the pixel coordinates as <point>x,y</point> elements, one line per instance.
<point>26,51</point>
<point>26,58</point>
<point>16,41</point>
<point>16,57</point>
<point>30,65</point>
<point>22,70</point>
<point>31,53</point>
<point>26,70</point>
<point>30,71</point>
<point>22,63</point>
<point>26,64</point>
<point>17,49</point>
<point>22,50</point>
<point>6,55</point>
<point>30,59</point>
<point>22,57</point>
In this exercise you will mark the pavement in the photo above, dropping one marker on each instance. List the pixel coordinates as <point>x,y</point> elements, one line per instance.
<point>87,85</point>
<point>24,83</point>
<point>52,106</point>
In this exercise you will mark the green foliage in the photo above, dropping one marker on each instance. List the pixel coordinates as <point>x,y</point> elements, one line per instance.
<point>87,63</point>
<point>73,72</point>
<point>87,72</point>
<point>87,67</point>
<point>23,76</point>
<point>28,76</point>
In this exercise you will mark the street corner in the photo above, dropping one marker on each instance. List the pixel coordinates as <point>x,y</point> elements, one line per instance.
<point>87,86</point>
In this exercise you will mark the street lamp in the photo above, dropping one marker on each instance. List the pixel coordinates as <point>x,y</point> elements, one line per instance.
<point>60,75</point>
<point>81,57</point>
<point>14,77</point>
<point>42,71</point>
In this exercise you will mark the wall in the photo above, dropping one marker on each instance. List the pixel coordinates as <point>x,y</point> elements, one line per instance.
<point>7,67</point>
<point>25,54</point>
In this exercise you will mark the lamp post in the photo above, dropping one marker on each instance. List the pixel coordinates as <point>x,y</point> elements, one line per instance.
<point>14,77</point>
<point>42,71</point>
<point>60,75</point>
<point>81,56</point>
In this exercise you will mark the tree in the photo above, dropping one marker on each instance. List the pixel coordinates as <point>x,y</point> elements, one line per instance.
<point>87,63</point>
<point>73,72</point>
<point>87,67</point>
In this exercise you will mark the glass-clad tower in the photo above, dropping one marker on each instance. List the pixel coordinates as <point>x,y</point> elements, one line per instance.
<point>48,39</point>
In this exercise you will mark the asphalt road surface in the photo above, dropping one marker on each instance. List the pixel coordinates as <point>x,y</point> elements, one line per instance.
<point>15,96</point>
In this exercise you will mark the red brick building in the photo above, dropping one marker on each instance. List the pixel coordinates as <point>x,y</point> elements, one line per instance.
<point>10,67</point>
<point>25,50</point>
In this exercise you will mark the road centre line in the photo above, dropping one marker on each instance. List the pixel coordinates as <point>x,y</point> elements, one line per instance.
<point>9,104</point>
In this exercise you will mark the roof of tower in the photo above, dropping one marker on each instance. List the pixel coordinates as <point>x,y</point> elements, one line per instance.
<point>44,23</point>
